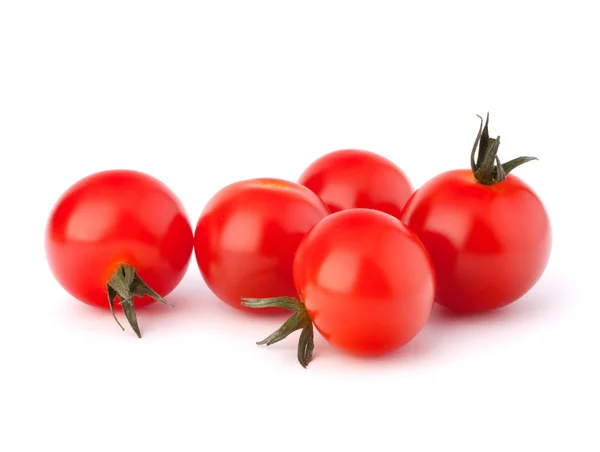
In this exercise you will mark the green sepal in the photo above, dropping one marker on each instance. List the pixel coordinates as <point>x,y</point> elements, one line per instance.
<point>299,320</point>
<point>126,284</point>
<point>487,168</point>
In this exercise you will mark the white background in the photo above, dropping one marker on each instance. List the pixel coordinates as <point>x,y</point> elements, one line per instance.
<point>201,94</point>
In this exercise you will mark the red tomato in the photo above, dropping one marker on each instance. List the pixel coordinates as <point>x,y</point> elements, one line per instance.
<point>365,281</point>
<point>351,178</point>
<point>247,235</point>
<point>119,233</point>
<point>489,239</point>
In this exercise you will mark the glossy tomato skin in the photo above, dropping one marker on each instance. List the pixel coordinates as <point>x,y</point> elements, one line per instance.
<point>247,235</point>
<point>367,282</point>
<point>115,217</point>
<point>489,243</point>
<point>352,178</point>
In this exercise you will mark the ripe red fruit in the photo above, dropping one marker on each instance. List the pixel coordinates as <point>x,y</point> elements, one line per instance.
<point>352,178</point>
<point>487,231</point>
<point>119,235</point>
<point>247,235</point>
<point>364,280</point>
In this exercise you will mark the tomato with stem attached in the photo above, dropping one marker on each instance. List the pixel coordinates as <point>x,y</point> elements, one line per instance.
<point>119,235</point>
<point>486,230</point>
<point>364,280</point>
<point>352,178</point>
<point>247,235</point>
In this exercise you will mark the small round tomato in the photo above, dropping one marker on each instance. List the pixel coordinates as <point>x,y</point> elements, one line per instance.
<point>118,235</point>
<point>247,235</point>
<point>364,280</point>
<point>353,178</point>
<point>487,231</point>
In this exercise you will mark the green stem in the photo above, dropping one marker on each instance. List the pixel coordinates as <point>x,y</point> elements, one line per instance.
<point>126,284</point>
<point>300,320</point>
<point>487,169</point>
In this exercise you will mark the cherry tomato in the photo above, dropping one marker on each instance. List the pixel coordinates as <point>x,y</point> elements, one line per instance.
<point>247,235</point>
<point>364,280</point>
<point>118,235</point>
<point>487,232</point>
<point>352,178</point>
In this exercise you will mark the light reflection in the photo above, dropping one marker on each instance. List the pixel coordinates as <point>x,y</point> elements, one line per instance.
<point>242,232</point>
<point>339,271</point>
<point>90,220</point>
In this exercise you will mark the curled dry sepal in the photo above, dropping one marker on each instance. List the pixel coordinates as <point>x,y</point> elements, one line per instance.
<point>487,167</point>
<point>126,283</point>
<point>300,320</point>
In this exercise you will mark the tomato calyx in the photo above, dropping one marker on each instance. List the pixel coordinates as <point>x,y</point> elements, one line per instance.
<point>300,320</point>
<point>126,284</point>
<point>487,169</point>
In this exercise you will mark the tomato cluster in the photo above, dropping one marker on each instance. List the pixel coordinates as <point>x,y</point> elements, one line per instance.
<point>351,248</point>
